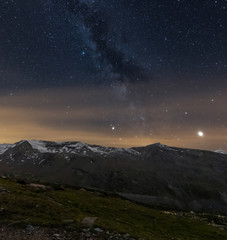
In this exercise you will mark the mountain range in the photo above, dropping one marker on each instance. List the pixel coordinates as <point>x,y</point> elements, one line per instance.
<point>156,175</point>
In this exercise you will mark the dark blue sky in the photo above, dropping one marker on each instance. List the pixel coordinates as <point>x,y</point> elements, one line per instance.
<point>67,42</point>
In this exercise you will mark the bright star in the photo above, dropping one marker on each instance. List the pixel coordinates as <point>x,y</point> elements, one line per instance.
<point>200,134</point>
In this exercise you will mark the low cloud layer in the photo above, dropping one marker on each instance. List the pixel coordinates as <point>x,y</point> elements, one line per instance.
<point>101,117</point>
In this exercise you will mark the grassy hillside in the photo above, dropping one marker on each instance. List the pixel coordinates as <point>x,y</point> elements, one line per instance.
<point>23,204</point>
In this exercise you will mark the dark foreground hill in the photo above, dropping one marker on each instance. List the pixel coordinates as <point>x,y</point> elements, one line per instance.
<point>157,175</point>
<point>33,211</point>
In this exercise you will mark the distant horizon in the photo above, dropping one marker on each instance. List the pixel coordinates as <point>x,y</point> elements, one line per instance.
<point>115,146</point>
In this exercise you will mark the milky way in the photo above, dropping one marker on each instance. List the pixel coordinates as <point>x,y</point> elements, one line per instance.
<point>124,72</point>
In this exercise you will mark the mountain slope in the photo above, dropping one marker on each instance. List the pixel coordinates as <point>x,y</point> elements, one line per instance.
<point>157,175</point>
<point>45,206</point>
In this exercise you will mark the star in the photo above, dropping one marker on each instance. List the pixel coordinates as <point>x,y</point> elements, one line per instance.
<point>200,134</point>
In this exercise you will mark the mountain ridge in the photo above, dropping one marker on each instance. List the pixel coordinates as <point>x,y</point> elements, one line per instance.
<point>157,175</point>
<point>34,141</point>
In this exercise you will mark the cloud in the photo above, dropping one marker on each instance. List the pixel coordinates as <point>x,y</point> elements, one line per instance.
<point>88,114</point>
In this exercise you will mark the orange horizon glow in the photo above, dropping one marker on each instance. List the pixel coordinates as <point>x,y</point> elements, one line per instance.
<point>41,116</point>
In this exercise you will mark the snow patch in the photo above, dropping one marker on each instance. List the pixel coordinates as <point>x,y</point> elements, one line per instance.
<point>78,145</point>
<point>39,145</point>
<point>167,147</point>
<point>43,160</point>
<point>220,151</point>
<point>5,147</point>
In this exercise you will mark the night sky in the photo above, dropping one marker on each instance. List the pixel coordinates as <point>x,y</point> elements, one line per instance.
<point>117,73</point>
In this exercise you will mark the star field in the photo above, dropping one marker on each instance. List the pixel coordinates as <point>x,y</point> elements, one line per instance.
<point>120,73</point>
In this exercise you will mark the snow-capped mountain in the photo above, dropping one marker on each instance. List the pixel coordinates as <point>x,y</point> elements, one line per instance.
<point>220,151</point>
<point>157,174</point>
<point>32,148</point>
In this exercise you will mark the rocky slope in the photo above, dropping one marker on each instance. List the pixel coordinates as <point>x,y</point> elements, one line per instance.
<point>157,175</point>
<point>44,233</point>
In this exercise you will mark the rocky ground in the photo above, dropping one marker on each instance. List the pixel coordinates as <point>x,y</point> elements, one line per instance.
<point>39,233</point>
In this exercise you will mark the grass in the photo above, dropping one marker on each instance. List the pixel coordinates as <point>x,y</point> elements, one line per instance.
<point>21,205</point>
